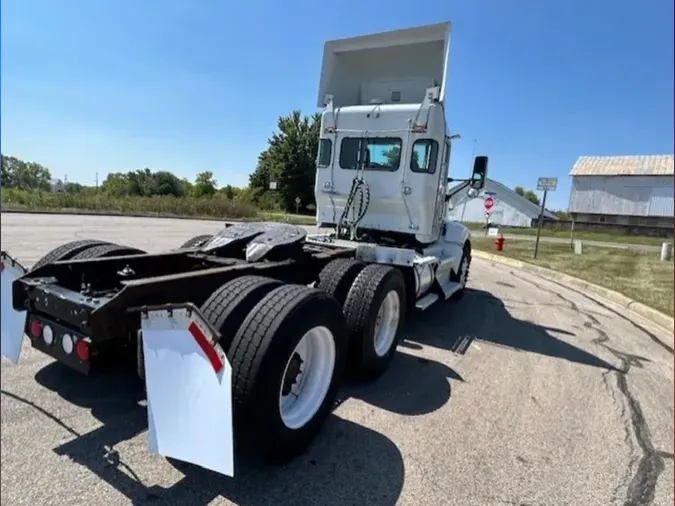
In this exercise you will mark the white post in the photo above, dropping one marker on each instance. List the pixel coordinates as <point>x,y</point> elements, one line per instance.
<point>578,246</point>
<point>666,251</point>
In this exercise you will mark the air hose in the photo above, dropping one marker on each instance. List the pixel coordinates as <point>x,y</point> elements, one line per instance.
<point>346,226</point>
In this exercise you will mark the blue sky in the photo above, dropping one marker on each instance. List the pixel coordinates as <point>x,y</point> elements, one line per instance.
<point>193,85</point>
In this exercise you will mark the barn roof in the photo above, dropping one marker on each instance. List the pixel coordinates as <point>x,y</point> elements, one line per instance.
<point>647,165</point>
<point>507,195</point>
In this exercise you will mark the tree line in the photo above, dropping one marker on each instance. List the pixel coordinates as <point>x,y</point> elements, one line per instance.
<point>289,161</point>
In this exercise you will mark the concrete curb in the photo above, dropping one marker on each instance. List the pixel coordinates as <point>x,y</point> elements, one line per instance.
<point>647,312</point>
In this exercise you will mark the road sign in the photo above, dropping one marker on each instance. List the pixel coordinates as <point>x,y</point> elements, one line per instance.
<point>547,184</point>
<point>273,185</point>
<point>297,200</point>
<point>489,202</point>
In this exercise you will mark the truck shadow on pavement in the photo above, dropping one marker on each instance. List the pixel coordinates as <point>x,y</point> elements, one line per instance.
<point>480,316</point>
<point>347,464</point>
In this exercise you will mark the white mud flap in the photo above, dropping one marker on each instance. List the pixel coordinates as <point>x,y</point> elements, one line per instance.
<point>12,322</point>
<point>188,382</point>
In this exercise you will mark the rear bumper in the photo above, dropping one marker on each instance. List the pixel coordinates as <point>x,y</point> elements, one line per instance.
<point>53,339</point>
<point>187,375</point>
<point>65,345</point>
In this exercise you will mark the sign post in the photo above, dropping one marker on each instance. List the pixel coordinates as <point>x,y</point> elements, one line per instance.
<point>488,203</point>
<point>544,184</point>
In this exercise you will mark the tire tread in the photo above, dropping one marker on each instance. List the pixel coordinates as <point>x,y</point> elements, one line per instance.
<point>232,302</point>
<point>106,250</point>
<point>67,251</point>
<point>337,277</point>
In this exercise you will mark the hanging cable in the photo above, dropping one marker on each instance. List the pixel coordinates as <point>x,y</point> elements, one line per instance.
<point>348,227</point>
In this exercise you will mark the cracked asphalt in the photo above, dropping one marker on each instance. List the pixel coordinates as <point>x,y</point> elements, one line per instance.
<point>525,392</point>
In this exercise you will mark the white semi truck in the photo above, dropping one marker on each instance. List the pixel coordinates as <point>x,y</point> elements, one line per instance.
<point>243,337</point>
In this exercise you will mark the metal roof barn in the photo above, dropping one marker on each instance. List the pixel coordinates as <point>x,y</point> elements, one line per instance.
<point>624,190</point>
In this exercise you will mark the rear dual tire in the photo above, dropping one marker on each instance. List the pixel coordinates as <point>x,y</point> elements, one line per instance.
<point>374,304</point>
<point>85,248</point>
<point>197,241</point>
<point>67,251</point>
<point>288,351</point>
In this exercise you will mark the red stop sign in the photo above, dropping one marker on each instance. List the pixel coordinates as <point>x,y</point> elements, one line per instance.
<point>489,202</point>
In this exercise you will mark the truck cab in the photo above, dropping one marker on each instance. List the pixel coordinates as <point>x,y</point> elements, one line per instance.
<point>384,124</point>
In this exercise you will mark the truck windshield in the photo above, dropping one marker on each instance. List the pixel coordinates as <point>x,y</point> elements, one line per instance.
<point>377,153</point>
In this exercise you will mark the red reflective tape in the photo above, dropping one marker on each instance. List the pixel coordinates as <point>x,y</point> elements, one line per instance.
<point>206,347</point>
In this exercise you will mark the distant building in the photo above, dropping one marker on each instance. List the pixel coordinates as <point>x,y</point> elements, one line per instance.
<point>509,210</point>
<point>623,190</point>
<point>56,186</point>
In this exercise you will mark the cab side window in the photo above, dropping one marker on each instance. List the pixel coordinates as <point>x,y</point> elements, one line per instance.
<point>325,153</point>
<point>424,156</point>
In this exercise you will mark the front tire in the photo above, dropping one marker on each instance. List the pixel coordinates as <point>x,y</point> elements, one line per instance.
<point>462,274</point>
<point>375,312</point>
<point>287,361</point>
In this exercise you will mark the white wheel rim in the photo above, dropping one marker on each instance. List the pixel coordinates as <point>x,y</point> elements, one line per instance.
<point>463,271</point>
<point>307,392</point>
<point>386,323</point>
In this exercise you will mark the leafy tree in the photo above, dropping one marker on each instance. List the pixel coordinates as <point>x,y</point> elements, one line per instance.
<point>164,183</point>
<point>532,197</point>
<point>290,161</point>
<point>74,188</point>
<point>116,184</point>
<point>528,194</point>
<point>24,175</point>
<point>185,186</point>
<point>204,185</point>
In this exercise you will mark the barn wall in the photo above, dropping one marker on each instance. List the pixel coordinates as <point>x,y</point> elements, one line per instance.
<point>622,195</point>
<point>502,213</point>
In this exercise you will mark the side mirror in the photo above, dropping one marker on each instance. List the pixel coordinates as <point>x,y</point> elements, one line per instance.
<point>473,193</point>
<point>480,167</point>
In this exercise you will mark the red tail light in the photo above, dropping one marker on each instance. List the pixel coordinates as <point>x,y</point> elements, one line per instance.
<point>82,350</point>
<point>35,328</point>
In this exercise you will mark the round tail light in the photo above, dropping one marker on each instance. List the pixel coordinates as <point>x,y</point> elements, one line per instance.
<point>48,335</point>
<point>67,344</point>
<point>82,350</point>
<point>35,328</point>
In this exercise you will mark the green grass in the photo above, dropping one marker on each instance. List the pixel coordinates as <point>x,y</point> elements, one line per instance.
<point>610,237</point>
<point>640,276</point>
<point>214,207</point>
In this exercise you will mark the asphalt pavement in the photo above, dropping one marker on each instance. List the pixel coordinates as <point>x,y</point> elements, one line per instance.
<point>522,393</point>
